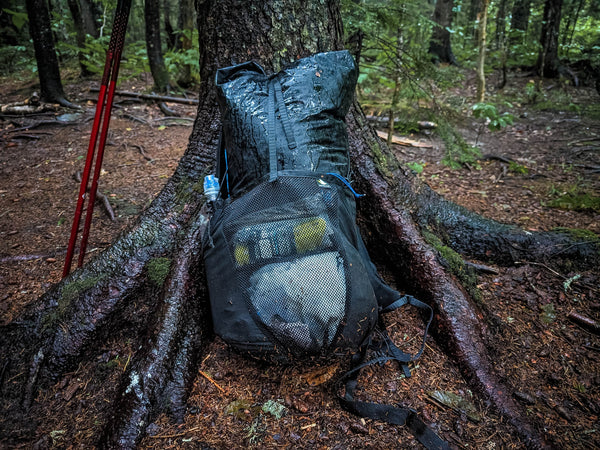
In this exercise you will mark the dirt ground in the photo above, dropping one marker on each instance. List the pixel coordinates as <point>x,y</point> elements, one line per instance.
<point>552,363</point>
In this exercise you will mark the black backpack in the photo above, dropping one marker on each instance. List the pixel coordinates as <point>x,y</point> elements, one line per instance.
<point>289,276</point>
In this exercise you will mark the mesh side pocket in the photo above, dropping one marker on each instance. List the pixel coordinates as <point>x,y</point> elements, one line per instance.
<point>290,269</point>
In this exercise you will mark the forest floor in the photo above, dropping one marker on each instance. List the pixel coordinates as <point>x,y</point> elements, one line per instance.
<point>550,157</point>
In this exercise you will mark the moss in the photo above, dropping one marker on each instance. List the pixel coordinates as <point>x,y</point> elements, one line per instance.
<point>187,190</point>
<point>455,264</point>
<point>158,270</point>
<point>592,111</point>
<point>380,160</point>
<point>580,201</point>
<point>72,290</point>
<point>580,234</point>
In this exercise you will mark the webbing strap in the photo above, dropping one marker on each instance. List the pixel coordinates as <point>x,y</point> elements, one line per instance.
<point>395,415</point>
<point>272,139</point>
<point>284,115</point>
<point>408,300</point>
<point>277,103</point>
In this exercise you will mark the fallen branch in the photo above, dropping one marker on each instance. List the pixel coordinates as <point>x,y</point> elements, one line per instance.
<point>403,141</point>
<point>100,196</point>
<point>166,110</point>
<point>157,98</point>
<point>584,322</point>
<point>18,258</point>
<point>498,158</point>
<point>481,268</point>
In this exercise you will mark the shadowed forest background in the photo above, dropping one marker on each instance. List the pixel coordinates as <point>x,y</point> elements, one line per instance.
<point>494,104</point>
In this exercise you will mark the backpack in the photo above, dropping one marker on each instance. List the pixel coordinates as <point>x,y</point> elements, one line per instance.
<point>289,276</point>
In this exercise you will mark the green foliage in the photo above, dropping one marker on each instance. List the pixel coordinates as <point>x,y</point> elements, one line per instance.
<point>495,121</point>
<point>15,58</point>
<point>458,152</point>
<point>416,167</point>
<point>575,201</point>
<point>393,59</point>
<point>569,281</point>
<point>517,168</point>
<point>275,408</point>
<point>573,197</point>
<point>19,19</point>
<point>177,60</point>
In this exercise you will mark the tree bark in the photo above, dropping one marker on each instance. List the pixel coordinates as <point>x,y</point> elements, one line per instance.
<point>45,53</point>
<point>481,44</point>
<point>548,63</point>
<point>149,288</point>
<point>154,46</point>
<point>439,45</point>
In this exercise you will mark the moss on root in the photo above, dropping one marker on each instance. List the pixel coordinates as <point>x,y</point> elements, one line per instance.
<point>580,234</point>
<point>158,270</point>
<point>455,264</point>
<point>68,294</point>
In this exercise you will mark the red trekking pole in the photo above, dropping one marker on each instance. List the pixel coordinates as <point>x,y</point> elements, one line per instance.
<point>102,116</point>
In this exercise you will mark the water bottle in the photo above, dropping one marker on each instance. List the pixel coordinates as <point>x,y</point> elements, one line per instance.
<point>211,187</point>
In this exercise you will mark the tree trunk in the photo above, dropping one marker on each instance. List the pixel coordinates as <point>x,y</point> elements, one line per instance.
<point>501,40</point>
<point>500,24</point>
<point>548,63</point>
<point>481,44</point>
<point>148,288</point>
<point>154,46</point>
<point>45,54</point>
<point>185,24</point>
<point>520,21</point>
<point>439,45</point>
<point>171,35</point>
<point>83,23</point>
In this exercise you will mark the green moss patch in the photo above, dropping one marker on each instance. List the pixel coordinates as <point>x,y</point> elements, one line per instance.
<point>581,201</point>
<point>158,270</point>
<point>455,264</point>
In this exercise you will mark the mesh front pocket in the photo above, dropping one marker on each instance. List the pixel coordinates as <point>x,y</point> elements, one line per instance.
<point>289,267</point>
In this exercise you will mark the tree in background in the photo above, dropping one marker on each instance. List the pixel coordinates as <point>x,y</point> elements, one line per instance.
<point>45,53</point>
<point>185,25</point>
<point>85,21</point>
<point>548,62</point>
<point>520,20</point>
<point>439,45</point>
<point>154,46</point>
<point>482,41</point>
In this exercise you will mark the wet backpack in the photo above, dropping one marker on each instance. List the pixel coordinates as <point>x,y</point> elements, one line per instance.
<point>288,274</point>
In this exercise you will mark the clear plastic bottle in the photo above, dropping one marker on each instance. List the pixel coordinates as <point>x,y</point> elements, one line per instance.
<point>211,187</point>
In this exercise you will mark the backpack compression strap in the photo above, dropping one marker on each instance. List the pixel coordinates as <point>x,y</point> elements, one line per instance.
<point>386,350</point>
<point>276,102</point>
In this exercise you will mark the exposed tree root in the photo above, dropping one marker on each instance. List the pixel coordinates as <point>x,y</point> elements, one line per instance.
<point>161,372</point>
<point>457,326</point>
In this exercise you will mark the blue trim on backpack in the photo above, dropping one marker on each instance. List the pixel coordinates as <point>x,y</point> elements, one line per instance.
<point>346,182</point>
